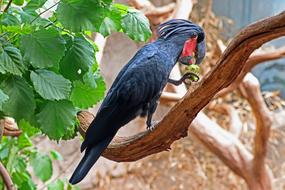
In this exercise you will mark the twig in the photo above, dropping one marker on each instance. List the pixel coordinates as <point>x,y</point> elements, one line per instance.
<point>44,12</point>
<point>6,177</point>
<point>8,5</point>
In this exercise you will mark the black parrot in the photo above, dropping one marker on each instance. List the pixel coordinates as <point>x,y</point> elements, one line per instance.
<point>138,86</point>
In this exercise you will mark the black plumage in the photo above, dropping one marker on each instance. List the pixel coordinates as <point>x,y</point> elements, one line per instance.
<point>136,89</point>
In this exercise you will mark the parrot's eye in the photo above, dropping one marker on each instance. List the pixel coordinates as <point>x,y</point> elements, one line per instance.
<point>188,51</point>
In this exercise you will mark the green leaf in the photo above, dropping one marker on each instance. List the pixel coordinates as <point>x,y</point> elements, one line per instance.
<point>19,177</point>
<point>8,19</point>
<point>123,9</point>
<point>28,128</point>
<point>28,185</point>
<point>42,166</point>
<point>72,187</point>
<point>107,26</point>
<point>112,21</point>
<point>20,164</point>
<point>89,77</point>
<point>4,150</point>
<point>136,26</point>
<point>85,96</point>
<point>24,141</point>
<point>11,60</point>
<point>71,132</point>
<point>55,155</point>
<point>34,4</point>
<point>56,117</point>
<point>43,48</point>
<point>18,29</point>
<point>21,103</point>
<point>28,16</point>
<point>31,17</point>
<point>57,185</point>
<point>18,2</point>
<point>78,15</point>
<point>3,99</point>
<point>78,58</point>
<point>51,86</point>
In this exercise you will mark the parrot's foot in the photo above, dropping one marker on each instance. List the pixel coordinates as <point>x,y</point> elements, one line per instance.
<point>152,126</point>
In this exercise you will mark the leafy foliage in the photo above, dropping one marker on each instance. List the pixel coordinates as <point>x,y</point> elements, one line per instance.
<point>18,154</point>
<point>46,63</point>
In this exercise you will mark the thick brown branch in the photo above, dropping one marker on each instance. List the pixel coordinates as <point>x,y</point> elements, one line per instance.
<point>175,124</point>
<point>6,178</point>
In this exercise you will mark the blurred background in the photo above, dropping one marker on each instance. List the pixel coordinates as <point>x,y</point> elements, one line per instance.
<point>190,164</point>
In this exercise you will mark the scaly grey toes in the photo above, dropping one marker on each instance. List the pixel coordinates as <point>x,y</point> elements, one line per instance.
<point>152,126</point>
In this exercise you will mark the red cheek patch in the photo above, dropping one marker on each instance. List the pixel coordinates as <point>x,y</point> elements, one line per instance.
<point>189,47</point>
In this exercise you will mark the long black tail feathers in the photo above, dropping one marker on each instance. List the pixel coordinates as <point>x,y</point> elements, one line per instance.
<point>91,156</point>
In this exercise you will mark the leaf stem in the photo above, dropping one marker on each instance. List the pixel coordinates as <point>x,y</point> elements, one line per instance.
<point>44,12</point>
<point>8,5</point>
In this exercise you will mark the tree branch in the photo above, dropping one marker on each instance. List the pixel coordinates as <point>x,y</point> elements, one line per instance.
<point>175,124</point>
<point>6,178</point>
<point>263,119</point>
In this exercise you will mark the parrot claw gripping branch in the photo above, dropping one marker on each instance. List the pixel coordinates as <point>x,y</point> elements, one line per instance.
<point>138,86</point>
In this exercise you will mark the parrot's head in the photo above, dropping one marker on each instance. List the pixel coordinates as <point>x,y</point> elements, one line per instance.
<point>190,35</point>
